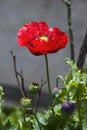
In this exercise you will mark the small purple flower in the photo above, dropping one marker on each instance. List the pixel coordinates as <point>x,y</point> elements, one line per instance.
<point>55,90</point>
<point>68,107</point>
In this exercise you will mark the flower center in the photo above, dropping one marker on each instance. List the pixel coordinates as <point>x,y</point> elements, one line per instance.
<point>45,38</point>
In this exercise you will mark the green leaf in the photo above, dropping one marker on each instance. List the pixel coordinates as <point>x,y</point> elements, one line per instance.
<point>42,119</point>
<point>1,91</point>
<point>72,65</point>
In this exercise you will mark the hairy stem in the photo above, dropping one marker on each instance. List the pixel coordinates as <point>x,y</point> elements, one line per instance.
<point>48,81</point>
<point>48,78</point>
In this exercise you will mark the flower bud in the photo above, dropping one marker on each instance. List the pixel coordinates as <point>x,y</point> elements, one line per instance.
<point>26,102</point>
<point>68,107</point>
<point>34,88</point>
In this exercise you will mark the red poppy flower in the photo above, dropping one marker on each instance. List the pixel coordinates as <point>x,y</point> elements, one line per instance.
<point>40,39</point>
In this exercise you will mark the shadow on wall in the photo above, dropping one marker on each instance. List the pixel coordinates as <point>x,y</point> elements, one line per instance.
<point>12,96</point>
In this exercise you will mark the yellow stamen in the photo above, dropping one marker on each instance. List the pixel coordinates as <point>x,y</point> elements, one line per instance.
<point>45,38</point>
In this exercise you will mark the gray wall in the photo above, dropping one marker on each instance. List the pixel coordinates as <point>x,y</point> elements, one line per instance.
<point>15,13</point>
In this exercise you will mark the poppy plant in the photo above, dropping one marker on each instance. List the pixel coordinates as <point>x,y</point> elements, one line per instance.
<point>40,39</point>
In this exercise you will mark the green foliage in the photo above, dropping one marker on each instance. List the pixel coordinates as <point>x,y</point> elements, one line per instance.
<point>26,118</point>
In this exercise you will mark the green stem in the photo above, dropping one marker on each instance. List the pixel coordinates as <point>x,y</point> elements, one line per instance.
<point>68,96</point>
<point>35,115</point>
<point>79,110</point>
<point>48,82</point>
<point>57,80</point>
<point>48,78</point>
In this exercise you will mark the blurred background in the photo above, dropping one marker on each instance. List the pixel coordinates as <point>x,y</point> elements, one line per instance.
<point>13,15</point>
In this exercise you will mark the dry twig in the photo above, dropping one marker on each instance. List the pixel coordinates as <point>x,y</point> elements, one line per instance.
<point>17,74</point>
<point>70,31</point>
<point>82,54</point>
